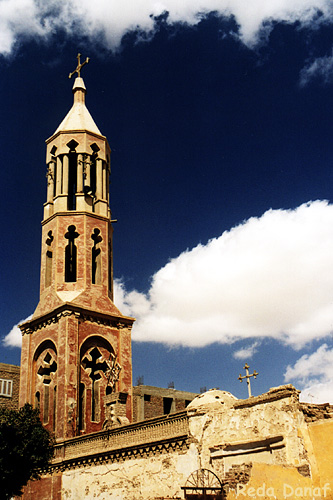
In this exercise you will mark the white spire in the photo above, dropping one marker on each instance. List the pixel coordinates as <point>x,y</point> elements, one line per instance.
<point>78,117</point>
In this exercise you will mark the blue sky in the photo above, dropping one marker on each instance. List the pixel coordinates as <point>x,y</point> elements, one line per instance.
<point>219,117</point>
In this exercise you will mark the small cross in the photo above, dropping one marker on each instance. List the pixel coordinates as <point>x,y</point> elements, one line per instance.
<point>114,371</point>
<point>84,162</point>
<point>247,376</point>
<point>79,66</point>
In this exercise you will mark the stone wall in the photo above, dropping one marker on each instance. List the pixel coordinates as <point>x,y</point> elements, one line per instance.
<point>262,447</point>
<point>11,397</point>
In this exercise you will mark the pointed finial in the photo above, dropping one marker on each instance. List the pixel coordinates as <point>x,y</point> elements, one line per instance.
<point>79,66</point>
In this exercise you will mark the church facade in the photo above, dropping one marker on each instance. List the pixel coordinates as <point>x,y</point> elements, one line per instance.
<point>76,367</point>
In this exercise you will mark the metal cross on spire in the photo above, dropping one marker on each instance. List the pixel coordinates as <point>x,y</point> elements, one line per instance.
<point>79,66</point>
<point>247,376</point>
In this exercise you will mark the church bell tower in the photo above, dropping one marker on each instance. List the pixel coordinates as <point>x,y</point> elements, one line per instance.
<point>76,350</point>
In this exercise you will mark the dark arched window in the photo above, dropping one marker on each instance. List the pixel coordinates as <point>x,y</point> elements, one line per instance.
<point>48,263</point>
<point>81,406</point>
<point>71,255</point>
<point>96,271</point>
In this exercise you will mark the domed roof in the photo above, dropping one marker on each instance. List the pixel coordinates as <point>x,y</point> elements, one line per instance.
<point>213,397</point>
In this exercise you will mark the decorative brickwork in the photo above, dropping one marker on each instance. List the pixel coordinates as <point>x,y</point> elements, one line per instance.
<point>159,435</point>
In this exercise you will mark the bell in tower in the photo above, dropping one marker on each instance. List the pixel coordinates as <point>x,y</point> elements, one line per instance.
<point>76,349</point>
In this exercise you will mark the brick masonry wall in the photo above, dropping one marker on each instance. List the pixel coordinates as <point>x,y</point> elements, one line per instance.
<point>10,372</point>
<point>148,401</point>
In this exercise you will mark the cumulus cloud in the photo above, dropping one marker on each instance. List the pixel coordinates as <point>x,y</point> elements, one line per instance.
<point>314,374</point>
<point>271,276</point>
<point>14,337</point>
<point>109,20</point>
<point>246,352</point>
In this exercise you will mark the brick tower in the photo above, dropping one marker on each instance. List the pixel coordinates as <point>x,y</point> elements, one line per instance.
<point>76,349</point>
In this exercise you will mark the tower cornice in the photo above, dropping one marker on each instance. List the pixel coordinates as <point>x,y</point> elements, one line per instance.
<point>75,131</point>
<point>68,309</point>
<point>73,214</point>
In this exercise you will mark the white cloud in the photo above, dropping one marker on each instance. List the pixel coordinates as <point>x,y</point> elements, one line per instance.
<point>14,337</point>
<point>246,352</point>
<point>109,20</point>
<point>322,68</point>
<point>269,277</point>
<point>314,374</point>
<point>129,301</point>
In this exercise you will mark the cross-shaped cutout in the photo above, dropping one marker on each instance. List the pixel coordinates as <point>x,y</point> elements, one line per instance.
<point>95,364</point>
<point>47,367</point>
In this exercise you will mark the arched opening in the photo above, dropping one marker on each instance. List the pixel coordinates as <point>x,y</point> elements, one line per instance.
<point>72,180</point>
<point>98,375</point>
<point>81,406</point>
<point>49,256</point>
<point>37,399</point>
<point>45,370</point>
<point>72,174</point>
<point>71,255</point>
<point>96,271</point>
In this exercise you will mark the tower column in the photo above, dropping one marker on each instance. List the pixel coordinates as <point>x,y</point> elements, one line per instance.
<point>79,188</point>
<point>101,205</point>
<point>87,170</point>
<point>99,178</point>
<point>106,182</point>
<point>59,176</point>
<point>60,201</point>
<point>48,206</point>
<point>80,200</point>
<point>65,175</point>
<point>50,181</point>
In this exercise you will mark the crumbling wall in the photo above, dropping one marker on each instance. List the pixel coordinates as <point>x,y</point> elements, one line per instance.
<point>261,429</point>
<point>266,446</point>
<point>149,477</point>
<point>263,447</point>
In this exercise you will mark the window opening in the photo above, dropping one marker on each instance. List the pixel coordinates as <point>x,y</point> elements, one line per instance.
<point>6,387</point>
<point>49,255</point>
<point>72,181</point>
<point>147,397</point>
<point>95,366</point>
<point>96,274</point>
<point>81,406</point>
<point>37,400</point>
<point>71,255</point>
<point>47,367</point>
<point>167,405</point>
